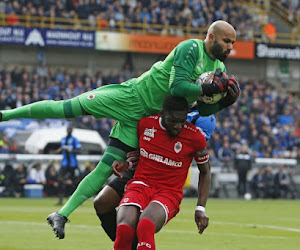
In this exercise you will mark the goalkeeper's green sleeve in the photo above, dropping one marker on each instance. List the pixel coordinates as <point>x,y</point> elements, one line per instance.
<point>208,109</point>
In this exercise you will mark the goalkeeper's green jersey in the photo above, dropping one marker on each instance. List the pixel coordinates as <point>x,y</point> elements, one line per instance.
<point>128,102</point>
<point>176,74</point>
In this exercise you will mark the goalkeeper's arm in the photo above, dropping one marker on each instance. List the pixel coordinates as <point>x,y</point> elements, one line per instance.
<point>185,61</point>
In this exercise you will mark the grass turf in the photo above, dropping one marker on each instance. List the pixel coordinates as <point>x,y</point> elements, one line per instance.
<point>234,224</point>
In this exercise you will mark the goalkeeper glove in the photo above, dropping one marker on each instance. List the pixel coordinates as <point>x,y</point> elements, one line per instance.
<point>218,85</point>
<point>233,92</point>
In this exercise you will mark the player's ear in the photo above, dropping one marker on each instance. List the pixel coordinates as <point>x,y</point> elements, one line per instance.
<point>211,37</point>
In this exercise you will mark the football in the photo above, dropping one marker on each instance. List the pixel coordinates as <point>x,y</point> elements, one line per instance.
<point>247,196</point>
<point>207,78</point>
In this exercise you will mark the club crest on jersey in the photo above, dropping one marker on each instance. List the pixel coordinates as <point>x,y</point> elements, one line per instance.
<point>177,147</point>
<point>91,97</point>
<point>150,132</point>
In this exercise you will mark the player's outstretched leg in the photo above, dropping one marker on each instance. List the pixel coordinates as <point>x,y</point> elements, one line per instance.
<point>57,222</point>
<point>92,183</point>
<point>45,109</point>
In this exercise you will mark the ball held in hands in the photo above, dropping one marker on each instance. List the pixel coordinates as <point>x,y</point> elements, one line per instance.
<point>214,86</point>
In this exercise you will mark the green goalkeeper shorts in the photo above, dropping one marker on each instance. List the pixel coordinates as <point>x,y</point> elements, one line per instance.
<point>120,102</point>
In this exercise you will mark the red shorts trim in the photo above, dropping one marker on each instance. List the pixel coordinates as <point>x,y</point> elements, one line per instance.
<point>140,195</point>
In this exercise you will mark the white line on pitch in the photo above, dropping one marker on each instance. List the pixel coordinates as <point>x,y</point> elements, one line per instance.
<point>228,234</point>
<point>297,230</point>
<point>27,223</point>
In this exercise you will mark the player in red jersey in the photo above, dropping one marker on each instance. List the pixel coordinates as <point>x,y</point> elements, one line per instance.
<point>167,145</point>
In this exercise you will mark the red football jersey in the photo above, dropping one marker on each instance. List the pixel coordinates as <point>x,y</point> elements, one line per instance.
<point>164,161</point>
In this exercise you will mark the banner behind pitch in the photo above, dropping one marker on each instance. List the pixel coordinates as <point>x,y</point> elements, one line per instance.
<point>272,51</point>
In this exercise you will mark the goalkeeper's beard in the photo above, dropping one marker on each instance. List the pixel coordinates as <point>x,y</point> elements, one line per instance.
<point>217,51</point>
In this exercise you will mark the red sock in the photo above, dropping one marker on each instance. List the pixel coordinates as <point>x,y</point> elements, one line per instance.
<point>124,237</point>
<point>145,233</point>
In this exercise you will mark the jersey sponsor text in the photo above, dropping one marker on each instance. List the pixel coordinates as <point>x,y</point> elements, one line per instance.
<point>159,158</point>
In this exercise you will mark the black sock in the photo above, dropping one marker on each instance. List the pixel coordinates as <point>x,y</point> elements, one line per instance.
<point>134,243</point>
<point>109,223</point>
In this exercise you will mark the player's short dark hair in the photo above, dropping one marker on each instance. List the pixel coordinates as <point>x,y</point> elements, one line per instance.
<point>175,103</point>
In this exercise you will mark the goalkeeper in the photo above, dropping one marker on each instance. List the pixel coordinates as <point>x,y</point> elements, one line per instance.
<point>138,97</point>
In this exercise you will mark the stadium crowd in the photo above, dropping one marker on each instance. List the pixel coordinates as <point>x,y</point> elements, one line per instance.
<point>156,16</point>
<point>13,179</point>
<point>264,118</point>
<point>108,14</point>
<point>266,183</point>
<point>293,7</point>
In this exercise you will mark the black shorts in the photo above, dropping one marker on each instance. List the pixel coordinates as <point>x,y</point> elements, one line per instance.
<point>118,183</point>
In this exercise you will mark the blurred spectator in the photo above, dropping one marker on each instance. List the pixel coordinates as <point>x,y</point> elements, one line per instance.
<point>269,182</point>
<point>297,129</point>
<point>257,184</point>
<point>3,147</point>
<point>102,21</point>
<point>281,183</point>
<point>12,18</point>
<point>42,71</point>
<point>242,165</point>
<point>293,185</point>
<point>271,31</point>
<point>213,159</point>
<point>226,155</point>
<point>8,180</point>
<point>51,187</point>
<point>37,175</point>
<point>14,148</point>
<point>21,179</point>
<point>286,118</point>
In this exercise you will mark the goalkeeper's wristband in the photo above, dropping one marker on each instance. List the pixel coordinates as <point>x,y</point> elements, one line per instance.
<point>200,208</point>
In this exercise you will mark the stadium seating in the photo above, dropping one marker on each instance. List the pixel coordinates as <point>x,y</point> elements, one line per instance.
<point>264,118</point>
<point>268,121</point>
<point>133,16</point>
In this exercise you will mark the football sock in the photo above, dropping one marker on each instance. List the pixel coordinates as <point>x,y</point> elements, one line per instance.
<point>46,109</point>
<point>134,243</point>
<point>125,235</point>
<point>145,233</point>
<point>92,183</point>
<point>109,223</point>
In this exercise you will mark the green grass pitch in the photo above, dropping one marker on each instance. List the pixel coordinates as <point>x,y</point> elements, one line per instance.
<point>234,224</point>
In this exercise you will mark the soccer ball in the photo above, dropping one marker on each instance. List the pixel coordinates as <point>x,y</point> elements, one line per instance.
<point>247,196</point>
<point>207,78</point>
